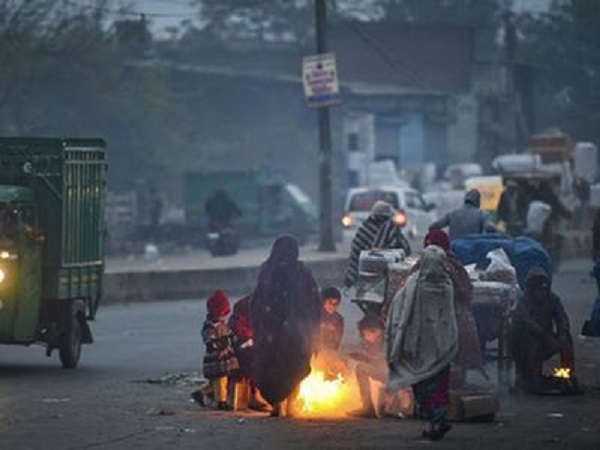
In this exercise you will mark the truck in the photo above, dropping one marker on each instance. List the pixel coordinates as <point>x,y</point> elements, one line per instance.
<point>52,231</point>
<point>269,205</point>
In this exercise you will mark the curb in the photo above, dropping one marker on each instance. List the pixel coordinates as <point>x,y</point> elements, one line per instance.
<point>126,287</point>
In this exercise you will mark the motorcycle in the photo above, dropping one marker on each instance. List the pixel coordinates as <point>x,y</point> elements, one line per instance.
<point>222,240</point>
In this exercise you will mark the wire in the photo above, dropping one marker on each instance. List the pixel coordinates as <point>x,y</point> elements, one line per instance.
<point>397,65</point>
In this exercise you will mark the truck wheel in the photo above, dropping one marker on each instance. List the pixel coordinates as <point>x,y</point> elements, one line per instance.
<point>70,343</point>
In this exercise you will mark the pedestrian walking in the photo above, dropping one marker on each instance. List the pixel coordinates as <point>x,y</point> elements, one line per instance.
<point>422,339</point>
<point>378,231</point>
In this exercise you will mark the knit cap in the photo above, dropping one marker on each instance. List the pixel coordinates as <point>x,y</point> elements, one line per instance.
<point>218,304</point>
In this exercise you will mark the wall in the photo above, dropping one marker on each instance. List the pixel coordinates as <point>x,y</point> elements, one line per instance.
<point>463,130</point>
<point>243,123</point>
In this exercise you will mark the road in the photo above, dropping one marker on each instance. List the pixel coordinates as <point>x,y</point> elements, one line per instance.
<point>105,403</point>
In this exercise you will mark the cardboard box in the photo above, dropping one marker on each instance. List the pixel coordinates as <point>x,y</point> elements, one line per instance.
<point>465,406</point>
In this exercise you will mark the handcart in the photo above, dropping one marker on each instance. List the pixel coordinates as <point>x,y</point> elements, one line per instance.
<point>381,275</point>
<point>493,303</point>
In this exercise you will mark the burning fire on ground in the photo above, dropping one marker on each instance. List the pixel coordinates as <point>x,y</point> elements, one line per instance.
<point>562,372</point>
<point>327,394</point>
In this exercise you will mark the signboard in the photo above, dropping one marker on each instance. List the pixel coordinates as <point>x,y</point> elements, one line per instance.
<point>319,75</point>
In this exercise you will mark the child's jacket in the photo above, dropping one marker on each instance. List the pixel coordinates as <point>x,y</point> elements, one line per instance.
<point>219,359</point>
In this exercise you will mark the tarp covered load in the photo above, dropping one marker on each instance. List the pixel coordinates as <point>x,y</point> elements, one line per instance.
<point>523,252</point>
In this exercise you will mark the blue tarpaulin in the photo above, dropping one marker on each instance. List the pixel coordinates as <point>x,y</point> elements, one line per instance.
<point>523,252</point>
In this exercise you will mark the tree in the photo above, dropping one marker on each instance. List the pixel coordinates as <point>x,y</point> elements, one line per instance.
<point>277,20</point>
<point>65,74</point>
<point>475,12</point>
<point>564,46</point>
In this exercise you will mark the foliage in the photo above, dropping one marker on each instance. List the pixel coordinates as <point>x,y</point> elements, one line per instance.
<point>64,75</point>
<point>564,45</point>
<point>292,21</point>
<point>446,11</point>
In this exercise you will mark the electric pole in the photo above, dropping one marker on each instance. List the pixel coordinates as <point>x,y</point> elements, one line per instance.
<point>326,243</point>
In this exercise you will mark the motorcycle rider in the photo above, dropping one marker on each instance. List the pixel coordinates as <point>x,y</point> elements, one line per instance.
<point>221,210</point>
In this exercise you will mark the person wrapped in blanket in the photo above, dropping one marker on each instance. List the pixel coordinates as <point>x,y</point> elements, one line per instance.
<point>285,313</point>
<point>380,231</point>
<point>469,356</point>
<point>540,329</point>
<point>422,339</point>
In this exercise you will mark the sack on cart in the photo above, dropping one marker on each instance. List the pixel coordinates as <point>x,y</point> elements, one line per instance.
<point>372,280</point>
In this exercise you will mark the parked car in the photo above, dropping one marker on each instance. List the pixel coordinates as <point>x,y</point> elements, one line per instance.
<point>412,211</point>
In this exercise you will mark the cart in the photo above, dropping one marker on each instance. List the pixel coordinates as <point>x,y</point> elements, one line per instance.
<point>492,304</point>
<point>381,275</point>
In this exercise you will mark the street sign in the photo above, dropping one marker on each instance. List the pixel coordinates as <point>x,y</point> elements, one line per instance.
<point>319,75</point>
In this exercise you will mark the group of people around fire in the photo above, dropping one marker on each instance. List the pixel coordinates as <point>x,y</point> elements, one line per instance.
<point>422,343</point>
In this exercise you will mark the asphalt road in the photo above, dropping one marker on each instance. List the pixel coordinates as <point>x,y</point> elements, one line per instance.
<point>105,403</point>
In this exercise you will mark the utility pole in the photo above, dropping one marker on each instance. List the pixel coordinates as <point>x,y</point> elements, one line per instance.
<point>326,243</point>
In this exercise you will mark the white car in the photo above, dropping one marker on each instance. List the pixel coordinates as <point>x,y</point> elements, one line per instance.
<point>412,213</point>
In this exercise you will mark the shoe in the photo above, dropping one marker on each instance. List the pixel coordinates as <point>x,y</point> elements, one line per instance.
<point>198,397</point>
<point>363,413</point>
<point>223,406</point>
<point>437,433</point>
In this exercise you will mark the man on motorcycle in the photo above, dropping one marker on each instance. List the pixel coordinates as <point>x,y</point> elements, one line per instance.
<point>221,210</point>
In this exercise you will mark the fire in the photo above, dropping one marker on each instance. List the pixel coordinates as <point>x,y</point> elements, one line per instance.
<point>322,394</point>
<point>562,372</point>
<point>319,394</point>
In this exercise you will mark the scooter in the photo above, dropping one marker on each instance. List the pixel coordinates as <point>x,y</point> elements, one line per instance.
<point>222,240</point>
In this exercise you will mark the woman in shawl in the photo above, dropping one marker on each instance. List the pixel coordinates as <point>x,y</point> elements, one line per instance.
<point>422,339</point>
<point>285,315</point>
<point>469,351</point>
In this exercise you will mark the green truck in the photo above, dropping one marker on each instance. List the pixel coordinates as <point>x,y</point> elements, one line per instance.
<point>52,233</point>
<point>269,205</point>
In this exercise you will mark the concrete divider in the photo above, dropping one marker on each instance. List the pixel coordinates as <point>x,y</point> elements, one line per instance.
<point>126,287</point>
<point>151,285</point>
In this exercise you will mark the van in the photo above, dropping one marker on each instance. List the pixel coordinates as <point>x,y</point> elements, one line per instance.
<point>413,213</point>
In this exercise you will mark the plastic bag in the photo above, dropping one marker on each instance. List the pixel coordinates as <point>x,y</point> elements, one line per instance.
<point>500,269</point>
<point>537,215</point>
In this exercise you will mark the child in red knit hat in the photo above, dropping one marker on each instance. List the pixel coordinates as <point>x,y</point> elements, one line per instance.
<point>219,359</point>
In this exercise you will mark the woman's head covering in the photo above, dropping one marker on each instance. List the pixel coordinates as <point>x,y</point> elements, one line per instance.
<point>439,238</point>
<point>381,208</point>
<point>433,262</point>
<point>218,304</point>
<point>284,251</point>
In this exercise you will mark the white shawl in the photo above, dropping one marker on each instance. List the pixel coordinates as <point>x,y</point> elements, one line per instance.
<point>421,332</point>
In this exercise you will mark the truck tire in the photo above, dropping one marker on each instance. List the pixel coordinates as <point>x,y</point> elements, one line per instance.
<point>70,342</point>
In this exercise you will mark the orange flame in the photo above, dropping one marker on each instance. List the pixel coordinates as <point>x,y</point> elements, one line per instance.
<point>324,395</point>
<point>562,372</point>
<point>319,394</point>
